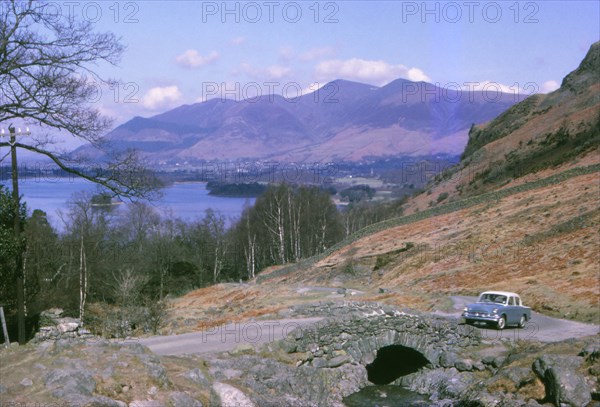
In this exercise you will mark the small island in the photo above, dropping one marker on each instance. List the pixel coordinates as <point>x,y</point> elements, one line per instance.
<point>236,190</point>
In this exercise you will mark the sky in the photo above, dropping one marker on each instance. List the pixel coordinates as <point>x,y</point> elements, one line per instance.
<point>184,52</point>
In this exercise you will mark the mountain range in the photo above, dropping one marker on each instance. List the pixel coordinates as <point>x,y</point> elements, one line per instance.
<point>342,121</point>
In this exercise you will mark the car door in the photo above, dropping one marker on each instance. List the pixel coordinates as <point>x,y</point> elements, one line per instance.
<point>512,311</point>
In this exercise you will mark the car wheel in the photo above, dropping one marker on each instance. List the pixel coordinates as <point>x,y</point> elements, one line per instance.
<point>522,321</point>
<point>501,324</point>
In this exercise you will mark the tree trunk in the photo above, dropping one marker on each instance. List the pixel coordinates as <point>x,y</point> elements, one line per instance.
<point>82,280</point>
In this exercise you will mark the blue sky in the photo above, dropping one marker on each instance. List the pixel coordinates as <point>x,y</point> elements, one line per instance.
<point>187,51</point>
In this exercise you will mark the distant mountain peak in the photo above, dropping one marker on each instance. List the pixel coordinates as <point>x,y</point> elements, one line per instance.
<point>343,120</point>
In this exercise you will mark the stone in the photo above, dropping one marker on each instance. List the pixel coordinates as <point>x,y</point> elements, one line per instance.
<point>564,385</point>
<point>464,365</point>
<point>146,403</point>
<point>26,382</point>
<point>339,360</point>
<point>64,381</point>
<point>67,325</point>
<point>231,396</point>
<point>181,399</point>
<point>288,346</point>
<point>498,361</point>
<point>96,401</point>
<point>319,363</point>
<point>196,376</point>
<point>448,359</point>
<point>488,360</point>
<point>241,349</point>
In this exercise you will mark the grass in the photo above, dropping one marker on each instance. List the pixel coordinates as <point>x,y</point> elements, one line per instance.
<point>489,197</point>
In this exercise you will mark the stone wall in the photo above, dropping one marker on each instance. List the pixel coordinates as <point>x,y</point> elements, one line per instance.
<point>356,331</point>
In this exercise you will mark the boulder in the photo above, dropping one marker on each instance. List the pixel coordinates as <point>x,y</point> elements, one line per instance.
<point>564,385</point>
<point>464,365</point>
<point>338,361</point>
<point>448,359</point>
<point>196,376</point>
<point>181,399</point>
<point>64,382</point>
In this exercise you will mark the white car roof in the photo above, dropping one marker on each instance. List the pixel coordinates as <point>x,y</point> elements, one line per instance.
<point>507,293</point>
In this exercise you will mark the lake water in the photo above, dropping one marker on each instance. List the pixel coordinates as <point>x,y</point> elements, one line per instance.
<point>187,200</point>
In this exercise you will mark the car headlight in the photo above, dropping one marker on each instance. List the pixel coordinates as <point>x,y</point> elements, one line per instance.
<point>495,310</point>
<point>465,309</point>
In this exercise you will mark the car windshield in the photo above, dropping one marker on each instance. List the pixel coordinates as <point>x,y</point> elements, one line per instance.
<point>493,298</point>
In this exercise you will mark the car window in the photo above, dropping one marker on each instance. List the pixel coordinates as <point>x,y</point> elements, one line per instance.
<point>512,301</point>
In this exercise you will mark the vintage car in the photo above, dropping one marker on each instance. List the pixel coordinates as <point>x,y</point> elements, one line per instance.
<point>499,308</point>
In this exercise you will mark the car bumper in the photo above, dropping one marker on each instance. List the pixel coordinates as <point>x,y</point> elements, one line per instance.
<point>477,316</point>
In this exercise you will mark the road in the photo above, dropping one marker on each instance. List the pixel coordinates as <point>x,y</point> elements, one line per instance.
<point>226,337</point>
<point>541,327</point>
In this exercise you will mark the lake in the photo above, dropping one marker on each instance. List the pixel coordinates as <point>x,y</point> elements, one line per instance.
<point>185,200</point>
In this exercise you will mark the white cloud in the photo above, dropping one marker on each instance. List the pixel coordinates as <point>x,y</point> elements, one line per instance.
<point>549,86</point>
<point>277,71</point>
<point>368,71</point>
<point>491,86</point>
<point>238,40</point>
<point>162,97</point>
<point>270,73</point>
<point>313,87</point>
<point>192,58</point>
<point>286,54</point>
<point>316,53</point>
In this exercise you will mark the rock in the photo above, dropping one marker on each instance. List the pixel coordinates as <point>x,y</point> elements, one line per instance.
<point>197,377</point>
<point>478,366</point>
<point>464,365</point>
<point>448,359</point>
<point>63,382</point>
<point>591,352</point>
<point>96,401</point>
<point>319,363</point>
<point>339,360</point>
<point>68,325</point>
<point>488,360</point>
<point>181,399</point>
<point>498,361</point>
<point>26,382</point>
<point>241,349</point>
<point>563,384</point>
<point>231,396</point>
<point>146,403</point>
<point>288,346</point>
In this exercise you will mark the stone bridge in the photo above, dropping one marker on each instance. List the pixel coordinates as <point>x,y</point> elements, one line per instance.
<point>381,337</point>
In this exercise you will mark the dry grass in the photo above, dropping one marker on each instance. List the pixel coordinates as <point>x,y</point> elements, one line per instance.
<point>519,243</point>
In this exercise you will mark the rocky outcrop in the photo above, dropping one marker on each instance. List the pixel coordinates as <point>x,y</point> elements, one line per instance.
<point>271,383</point>
<point>564,385</point>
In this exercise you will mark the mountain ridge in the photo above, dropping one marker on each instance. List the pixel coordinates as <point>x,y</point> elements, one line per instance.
<point>343,120</point>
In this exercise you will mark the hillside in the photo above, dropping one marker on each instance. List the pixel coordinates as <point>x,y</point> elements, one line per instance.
<point>342,121</point>
<point>534,231</point>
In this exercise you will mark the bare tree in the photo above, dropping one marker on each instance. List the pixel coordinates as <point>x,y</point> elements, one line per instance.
<point>48,76</point>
